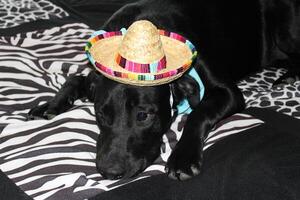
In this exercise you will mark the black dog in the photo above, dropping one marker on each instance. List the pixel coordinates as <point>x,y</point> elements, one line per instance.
<point>233,39</point>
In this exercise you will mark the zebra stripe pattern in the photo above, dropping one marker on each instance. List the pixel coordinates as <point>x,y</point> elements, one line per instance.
<point>55,159</point>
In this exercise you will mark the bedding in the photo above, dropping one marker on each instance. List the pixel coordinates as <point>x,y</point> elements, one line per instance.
<point>54,159</point>
<point>14,13</point>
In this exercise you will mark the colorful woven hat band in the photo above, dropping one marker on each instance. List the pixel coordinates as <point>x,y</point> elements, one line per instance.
<point>140,67</point>
<point>132,72</point>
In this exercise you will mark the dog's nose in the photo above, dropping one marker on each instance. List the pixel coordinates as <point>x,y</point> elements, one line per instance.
<point>112,173</point>
<point>110,170</point>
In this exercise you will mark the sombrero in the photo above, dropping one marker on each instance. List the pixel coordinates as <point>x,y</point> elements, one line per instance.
<point>142,55</point>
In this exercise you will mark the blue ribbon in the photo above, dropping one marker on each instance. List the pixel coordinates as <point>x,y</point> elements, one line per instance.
<point>184,107</point>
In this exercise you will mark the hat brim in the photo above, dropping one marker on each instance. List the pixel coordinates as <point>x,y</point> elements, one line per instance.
<point>103,48</point>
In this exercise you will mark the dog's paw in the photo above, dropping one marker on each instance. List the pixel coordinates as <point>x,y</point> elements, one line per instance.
<point>41,112</point>
<point>184,163</point>
<point>288,78</point>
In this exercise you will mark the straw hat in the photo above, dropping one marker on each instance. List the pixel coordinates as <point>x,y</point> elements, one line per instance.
<point>142,55</point>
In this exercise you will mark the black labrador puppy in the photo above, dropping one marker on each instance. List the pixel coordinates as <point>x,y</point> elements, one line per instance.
<point>233,38</point>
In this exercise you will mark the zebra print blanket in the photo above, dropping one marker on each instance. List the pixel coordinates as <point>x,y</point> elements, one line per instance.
<point>54,159</point>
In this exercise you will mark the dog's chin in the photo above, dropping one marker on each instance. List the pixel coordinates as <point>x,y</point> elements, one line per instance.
<point>131,170</point>
<point>139,166</point>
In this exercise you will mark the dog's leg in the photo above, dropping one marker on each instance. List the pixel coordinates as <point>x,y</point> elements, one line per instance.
<point>293,64</point>
<point>75,87</point>
<point>281,20</point>
<point>290,45</point>
<point>220,101</point>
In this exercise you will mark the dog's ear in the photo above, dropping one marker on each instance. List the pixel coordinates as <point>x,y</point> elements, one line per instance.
<point>91,84</point>
<point>186,87</point>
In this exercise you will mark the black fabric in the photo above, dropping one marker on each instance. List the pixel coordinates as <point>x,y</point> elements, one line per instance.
<point>262,163</point>
<point>9,191</point>
<point>91,12</point>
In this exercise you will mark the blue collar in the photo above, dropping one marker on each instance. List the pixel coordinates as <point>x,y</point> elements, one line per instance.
<point>184,107</point>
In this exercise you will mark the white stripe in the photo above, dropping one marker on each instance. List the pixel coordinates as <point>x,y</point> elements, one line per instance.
<point>31,43</point>
<point>56,185</point>
<point>15,55</point>
<point>52,164</point>
<point>174,127</point>
<point>23,76</point>
<point>9,85</point>
<point>20,162</point>
<point>51,31</point>
<point>84,26</point>
<point>206,146</point>
<point>88,186</point>
<point>21,139</point>
<point>4,120</point>
<point>93,176</point>
<point>87,70</point>
<point>136,179</point>
<point>155,167</point>
<point>165,155</point>
<point>230,133</point>
<point>15,40</point>
<point>18,64</point>
<point>235,124</point>
<point>33,178</point>
<point>59,47</point>
<point>35,96</point>
<point>71,144</point>
<point>17,96</point>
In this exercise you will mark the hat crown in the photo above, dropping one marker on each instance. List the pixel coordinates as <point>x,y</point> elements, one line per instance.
<point>142,43</point>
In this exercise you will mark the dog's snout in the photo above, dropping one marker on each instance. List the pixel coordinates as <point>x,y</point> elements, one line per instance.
<point>112,173</point>
<point>110,170</point>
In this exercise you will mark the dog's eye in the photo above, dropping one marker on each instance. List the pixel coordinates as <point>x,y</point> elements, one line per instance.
<point>142,116</point>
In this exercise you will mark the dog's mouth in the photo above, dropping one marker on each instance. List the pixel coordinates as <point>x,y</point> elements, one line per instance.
<point>117,161</point>
<point>115,170</point>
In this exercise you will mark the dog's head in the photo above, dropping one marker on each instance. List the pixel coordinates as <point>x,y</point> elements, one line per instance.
<point>132,121</point>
